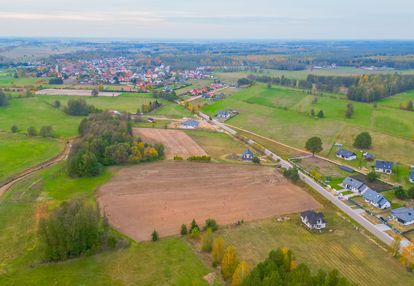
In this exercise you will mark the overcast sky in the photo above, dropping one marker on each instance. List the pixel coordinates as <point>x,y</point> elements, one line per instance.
<point>209,19</point>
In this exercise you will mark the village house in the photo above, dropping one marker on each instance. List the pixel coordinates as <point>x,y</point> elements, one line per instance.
<point>313,220</point>
<point>403,215</point>
<point>189,124</point>
<point>376,199</point>
<point>368,156</point>
<point>247,155</point>
<point>383,167</point>
<point>354,185</point>
<point>223,114</point>
<point>411,177</point>
<point>346,154</point>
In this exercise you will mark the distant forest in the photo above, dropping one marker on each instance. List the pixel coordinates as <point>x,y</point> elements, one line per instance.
<point>364,88</point>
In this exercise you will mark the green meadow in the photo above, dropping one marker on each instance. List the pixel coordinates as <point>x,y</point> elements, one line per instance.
<point>19,152</point>
<point>170,261</point>
<point>283,114</point>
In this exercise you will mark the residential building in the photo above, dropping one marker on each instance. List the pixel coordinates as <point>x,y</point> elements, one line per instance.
<point>354,185</point>
<point>376,199</point>
<point>247,155</point>
<point>383,166</point>
<point>346,154</point>
<point>403,215</point>
<point>189,124</point>
<point>313,220</point>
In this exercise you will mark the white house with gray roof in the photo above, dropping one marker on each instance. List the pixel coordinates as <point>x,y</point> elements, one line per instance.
<point>383,166</point>
<point>376,199</point>
<point>354,185</point>
<point>346,154</point>
<point>404,215</point>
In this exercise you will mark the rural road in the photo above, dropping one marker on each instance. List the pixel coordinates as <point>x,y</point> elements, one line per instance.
<point>6,185</point>
<point>355,215</point>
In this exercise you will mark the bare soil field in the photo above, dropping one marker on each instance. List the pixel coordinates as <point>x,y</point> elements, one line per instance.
<point>164,195</point>
<point>175,142</point>
<point>74,92</point>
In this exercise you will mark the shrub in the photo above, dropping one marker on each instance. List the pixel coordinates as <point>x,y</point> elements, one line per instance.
<point>217,250</point>
<point>321,114</point>
<point>410,193</point>
<point>229,262</point>
<point>71,230</point>
<point>207,240</point>
<point>195,233</point>
<point>291,174</point>
<point>117,154</point>
<point>31,131</point>
<point>56,104</point>
<point>14,129</point>
<point>154,235</point>
<point>178,158</point>
<point>78,107</point>
<point>400,193</point>
<point>46,131</point>
<point>211,224</point>
<point>372,176</point>
<point>95,92</point>
<point>56,80</point>
<point>193,225</point>
<point>203,158</point>
<point>4,101</point>
<point>184,230</point>
<point>256,160</point>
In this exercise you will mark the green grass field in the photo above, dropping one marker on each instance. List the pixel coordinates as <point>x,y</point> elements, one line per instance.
<point>345,249</point>
<point>169,261</point>
<point>283,114</point>
<point>217,145</point>
<point>19,152</point>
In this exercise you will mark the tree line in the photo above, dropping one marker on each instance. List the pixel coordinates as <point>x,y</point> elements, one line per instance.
<point>364,88</point>
<point>104,141</point>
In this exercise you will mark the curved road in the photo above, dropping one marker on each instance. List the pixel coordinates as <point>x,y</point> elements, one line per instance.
<point>5,186</point>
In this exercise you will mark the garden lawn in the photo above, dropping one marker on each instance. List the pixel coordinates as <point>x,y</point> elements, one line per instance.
<point>20,152</point>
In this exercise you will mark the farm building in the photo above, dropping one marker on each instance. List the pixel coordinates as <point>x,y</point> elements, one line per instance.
<point>376,199</point>
<point>411,177</point>
<point>354,185</point>
<point>383,166</point>
<point>247,155</point>
<point>346,169</point>
<point>368,156</point>
<point>346,154</point>
<point>313,220</point>
<point>404,215</point>
<point>189,124</point>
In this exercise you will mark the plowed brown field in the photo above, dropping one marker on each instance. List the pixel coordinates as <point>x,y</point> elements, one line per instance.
<point>164,195</point>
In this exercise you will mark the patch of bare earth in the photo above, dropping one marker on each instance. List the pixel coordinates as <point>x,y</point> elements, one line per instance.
<point>176,142</point>
<point>164,195</point>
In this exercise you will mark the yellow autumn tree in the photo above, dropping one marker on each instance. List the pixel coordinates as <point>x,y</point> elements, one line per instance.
<point>407,255</point>
<point>207,240</point>
<point>241,272</point>
<point>150,153</point>
<point>218,249</point>
<point>229,262</point>
<point>137,151</point>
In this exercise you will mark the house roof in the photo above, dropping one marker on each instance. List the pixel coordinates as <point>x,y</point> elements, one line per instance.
<point>404,214</point>
<point>223,113</point>
<point>374,197</point>
<point>345,153</point>
<point>312,216</point>
<point>354,183</point>
<point>386,165</point>
<point>248,152</point>
<point>190,122</point>
<point>412,175</point>
<point>369,156</point>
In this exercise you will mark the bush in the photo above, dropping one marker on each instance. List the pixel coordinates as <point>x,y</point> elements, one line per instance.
<point>71,230</point>
<point>154,235</point>
<point>291,174</point>
<point>363,141</point>
<point>14,129</point>
<point>78,107</point>
<point>56,80</point>
<point>207,240</point>
<point>256,160</point>
<point>83,163</point>
<point>193,225</point>
<point>372,177</point>
<point>410,193</point>
<point>203,158</point>
<point>46,131</point>
<point>95,92</point>
<point>211,224</point>
<point>117,154</point>
<point>184,230</point>
<point>400,193</point>
<point>195,233</point>
<point>178,158</point>
<point>31,131</point>
<point>217,250</point>
<point>56,104</point>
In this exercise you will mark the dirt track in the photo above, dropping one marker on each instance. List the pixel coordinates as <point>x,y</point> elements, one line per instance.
<point>164,195</point>
<point>175,142</point>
